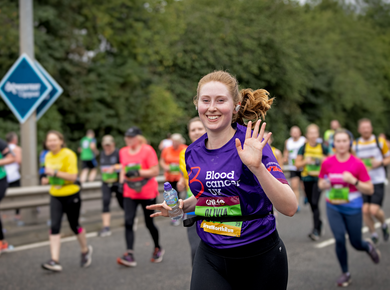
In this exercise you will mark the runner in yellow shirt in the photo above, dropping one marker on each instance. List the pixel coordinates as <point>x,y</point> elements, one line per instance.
<point>61,173</point>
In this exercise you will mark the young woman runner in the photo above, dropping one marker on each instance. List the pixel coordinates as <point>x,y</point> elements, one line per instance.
<point>139,185</point>
<point>236,181</point>
<point>61,174</point>
<point>345,178</point>
<point>195,131</point>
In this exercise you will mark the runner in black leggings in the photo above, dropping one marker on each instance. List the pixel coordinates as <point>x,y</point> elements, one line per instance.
<point>236,181</point>
<point>139,169</point>
<point>5,158</point>
<point>110,168</point>
<point>61,172</point>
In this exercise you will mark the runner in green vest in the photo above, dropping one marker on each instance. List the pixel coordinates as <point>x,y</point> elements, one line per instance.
<point>88,152</point>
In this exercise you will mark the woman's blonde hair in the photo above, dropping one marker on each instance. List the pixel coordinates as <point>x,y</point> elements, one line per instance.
<point>254,104</point>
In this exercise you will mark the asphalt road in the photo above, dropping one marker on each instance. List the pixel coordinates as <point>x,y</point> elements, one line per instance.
<point>312,265</point>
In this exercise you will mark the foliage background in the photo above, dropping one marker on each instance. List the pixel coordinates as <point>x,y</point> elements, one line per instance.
<point>133,62</point>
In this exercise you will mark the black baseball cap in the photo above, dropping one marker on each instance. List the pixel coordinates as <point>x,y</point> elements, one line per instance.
<point>133,131</point>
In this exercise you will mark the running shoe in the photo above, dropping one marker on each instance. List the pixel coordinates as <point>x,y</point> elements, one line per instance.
<point>157,256</point>
<point>3,246</point>
<point>375,240</point>
<point>314,235</point>
<point>127,260</point>
<point>86,258</point>
<point>52,265</point>
<point>385,231</point>
<point>374,253</point>
<point>344,280</point>
<point>105,232</point>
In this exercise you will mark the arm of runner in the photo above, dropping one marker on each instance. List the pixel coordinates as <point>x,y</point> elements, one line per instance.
<point>285,153</point>
<point>323,184</point>
<point>6,152</point>
<point>364,187</point>
<point>299,161</point>
<point>163,165</point>
<point>187,205</point>
<point>281,195</point>
<point>64,175</point>
<point>149,173</point>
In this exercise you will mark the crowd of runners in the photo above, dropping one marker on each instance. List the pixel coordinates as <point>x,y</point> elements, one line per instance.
<point>230,167</point>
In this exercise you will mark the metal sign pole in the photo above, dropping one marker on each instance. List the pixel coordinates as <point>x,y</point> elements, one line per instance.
<point>28,129</point>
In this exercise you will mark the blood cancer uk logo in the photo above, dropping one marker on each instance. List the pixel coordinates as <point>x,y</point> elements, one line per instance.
<point>215,181</point>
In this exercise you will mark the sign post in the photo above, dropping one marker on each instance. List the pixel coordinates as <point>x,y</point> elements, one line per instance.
<point>28,129</point>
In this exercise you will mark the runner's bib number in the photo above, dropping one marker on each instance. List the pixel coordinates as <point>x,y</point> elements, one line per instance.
<point>210,207</point>
<point>338,195</point>
<point>56,181</point>
<point>108,177</point>
<point>174,168</point>
<point>313,170</point>
<point>368,163</point>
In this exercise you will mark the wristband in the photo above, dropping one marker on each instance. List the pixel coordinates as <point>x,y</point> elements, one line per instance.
<point>357,182</point>
<point>55,173</point>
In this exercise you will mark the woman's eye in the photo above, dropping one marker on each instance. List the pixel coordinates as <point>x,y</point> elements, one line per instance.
<point>205,101</point>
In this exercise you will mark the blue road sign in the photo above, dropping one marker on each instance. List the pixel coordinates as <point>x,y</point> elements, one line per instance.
<point>52,96</point>
<point>23,88</point>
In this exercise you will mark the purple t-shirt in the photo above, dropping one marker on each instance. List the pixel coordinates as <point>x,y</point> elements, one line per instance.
<point>224,186</point>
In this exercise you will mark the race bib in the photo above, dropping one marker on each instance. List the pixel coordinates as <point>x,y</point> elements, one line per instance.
<point>85,144</point>
<point>210,207</point>
<point>174,168</point>
<point>132,166</point>
<point>313,170</point>
<point>368,163</point>
<point>56,181</point>
<point>108,177</point>
<point>338,195</point>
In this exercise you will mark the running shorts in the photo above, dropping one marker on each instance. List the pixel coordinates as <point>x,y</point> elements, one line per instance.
<point>377,197</point>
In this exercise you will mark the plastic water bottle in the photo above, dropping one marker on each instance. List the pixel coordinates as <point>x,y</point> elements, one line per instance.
<point>170,197</point>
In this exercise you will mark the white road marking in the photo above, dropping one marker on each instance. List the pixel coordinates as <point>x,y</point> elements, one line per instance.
<point>332,241</point>
<point>47,243</point>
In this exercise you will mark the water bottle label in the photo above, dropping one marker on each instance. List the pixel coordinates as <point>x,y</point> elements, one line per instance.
<point>172,200</point>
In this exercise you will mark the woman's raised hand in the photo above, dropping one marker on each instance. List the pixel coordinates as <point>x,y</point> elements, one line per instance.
<point>251,153</point>
<point>163,208</point>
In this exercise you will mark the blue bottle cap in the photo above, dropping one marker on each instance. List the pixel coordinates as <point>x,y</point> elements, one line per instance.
<point>167,186</point>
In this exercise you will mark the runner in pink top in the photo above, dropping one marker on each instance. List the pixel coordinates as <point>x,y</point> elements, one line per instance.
<point>345,179</point>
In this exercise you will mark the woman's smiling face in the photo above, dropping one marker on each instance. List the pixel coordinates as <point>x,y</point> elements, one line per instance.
<point>215,106</point>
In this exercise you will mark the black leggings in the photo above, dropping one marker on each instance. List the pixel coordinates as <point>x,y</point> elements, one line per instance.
<point>70,205</point>
<point>107,191</point>
<point>313,195</point>
<point>267,270</point>
<point>3,189</point>
<point>130,206</point>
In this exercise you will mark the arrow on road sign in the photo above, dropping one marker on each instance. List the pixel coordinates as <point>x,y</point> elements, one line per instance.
<point>23,88</point>
<point>52,96</point>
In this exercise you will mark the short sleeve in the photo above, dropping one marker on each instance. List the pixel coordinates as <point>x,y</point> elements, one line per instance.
<point>272,165</point>
<point>385,148</point>
<point>300,151</point>
<point>151,157</point>
<point>324,168</point>
<point>71,163</point>
<point>182,163</point>
<point>363,175</point>
<point>164,153</point>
